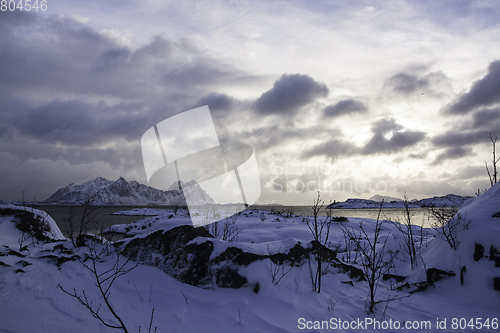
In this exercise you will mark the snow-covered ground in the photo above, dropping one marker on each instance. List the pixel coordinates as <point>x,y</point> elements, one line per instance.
<point>30,300</point>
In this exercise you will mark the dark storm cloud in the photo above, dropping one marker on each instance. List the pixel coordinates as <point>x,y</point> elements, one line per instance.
<point>398,140</point>
<point>58,62</point>
<point>485,118</point>
<point>484,92</point>
<point>111,60</point>
<point>201,73</point>
<point>75,101</point>
<point>345,106</point>
<point>479,117</point>
<point>378,143</point>
<point>417,156</point>
<point>217,102</point>
<point>289,93</point>
<point>333,149</point>
<point>77,59</point>
<point>34,150</point>
<point>275,134</point>
<point>467,172</point>
<point>79,123</point>
<point>159,47</point>
<point>386,125</point>
<point>406,84</point>
<point>11,19</point>
<point>460,138</point>
<point>452,153</point>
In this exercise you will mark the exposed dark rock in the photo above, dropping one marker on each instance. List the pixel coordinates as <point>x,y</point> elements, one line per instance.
<point>191,263</point>
<point>348,282</point>
<point>229,278</point>
<point>434,275</point>
<point>62,249</point>
<point>169,251</point>
<point>23,263</point>
<point>495,255</point>
<point>496,283</point>
<point>420,286</point>
<point>496,258</point>
<point>59,260</point>
<point>2,264</point>
<point>297,255</point>
<point>15,253</point>
<point>478,252</point>
<point>404,286</point>
<point>238,257</point>
<point>163,242</point>
<point>398,278</point>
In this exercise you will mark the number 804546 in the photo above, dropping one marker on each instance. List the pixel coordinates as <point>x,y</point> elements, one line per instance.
<point>26,5</point>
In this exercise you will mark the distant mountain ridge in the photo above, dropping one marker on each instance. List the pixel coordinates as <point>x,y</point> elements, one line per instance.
<point>101,191</point>
<point>450,200</point>
<point>386,198</point>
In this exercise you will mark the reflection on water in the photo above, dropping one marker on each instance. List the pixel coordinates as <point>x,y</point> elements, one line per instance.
<point>419,216</point>
<point>103,215</point>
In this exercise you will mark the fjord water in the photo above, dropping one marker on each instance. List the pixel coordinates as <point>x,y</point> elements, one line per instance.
<point>419,216</point>
<point>104,217</point>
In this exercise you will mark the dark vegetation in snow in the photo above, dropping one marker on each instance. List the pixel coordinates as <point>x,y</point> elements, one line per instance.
<point>28,223</point>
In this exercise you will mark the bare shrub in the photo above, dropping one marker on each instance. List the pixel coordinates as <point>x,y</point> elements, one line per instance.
<point>493,177</point>
<point>277,266</point>
<point>449,223</point>
<point>225,230</point>
<point>409,231</point>
<point>320,230</point>
<point>104,279</point>
<point>79,223</point>
<point>375,260</point>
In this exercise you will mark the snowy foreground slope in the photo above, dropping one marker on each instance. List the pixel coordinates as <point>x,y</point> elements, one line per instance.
<point>30,300</point>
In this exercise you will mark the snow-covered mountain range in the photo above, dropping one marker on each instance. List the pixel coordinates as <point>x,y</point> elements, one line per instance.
<point>101,191</point>
<point>450,200</point>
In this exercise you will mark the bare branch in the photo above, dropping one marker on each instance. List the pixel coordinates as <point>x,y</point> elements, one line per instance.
<point>103,281</point>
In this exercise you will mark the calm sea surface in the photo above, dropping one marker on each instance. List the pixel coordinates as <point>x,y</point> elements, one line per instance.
<point>104,217</point>
<point>419,216</point>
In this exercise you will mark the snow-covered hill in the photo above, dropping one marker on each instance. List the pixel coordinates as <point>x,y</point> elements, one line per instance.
<point>261,282</point>
<point>475,263</point>
<point>450,200</point>
<point>101,191</point>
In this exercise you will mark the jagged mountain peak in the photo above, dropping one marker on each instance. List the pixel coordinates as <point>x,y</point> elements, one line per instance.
<point>101,191</point>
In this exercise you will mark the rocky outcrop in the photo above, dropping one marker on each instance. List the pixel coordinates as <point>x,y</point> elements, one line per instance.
<point>186,253</point>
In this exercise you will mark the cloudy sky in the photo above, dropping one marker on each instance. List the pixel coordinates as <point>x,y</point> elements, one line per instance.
<point>349,98</point>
